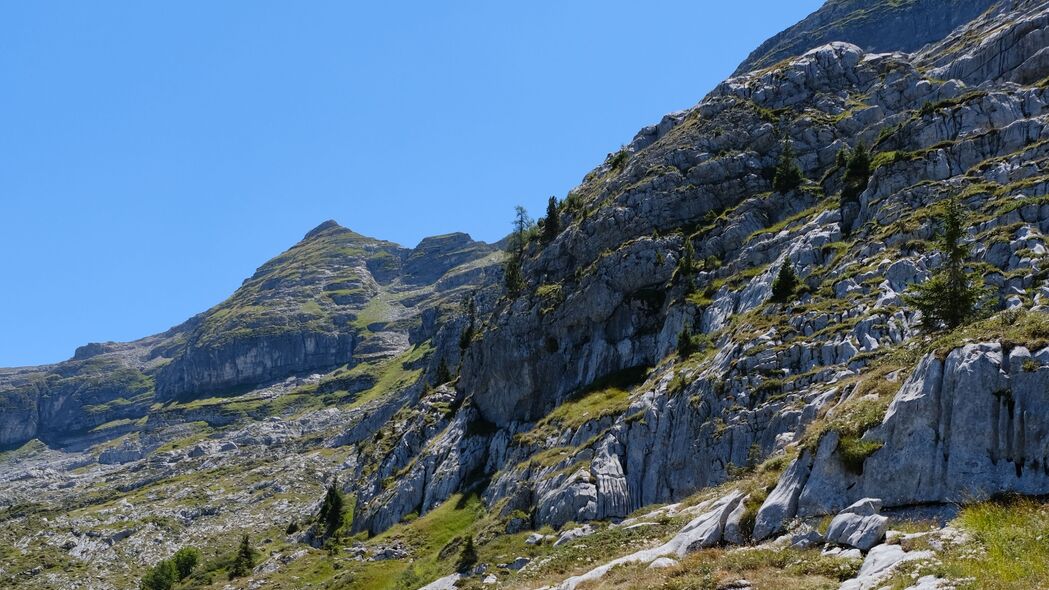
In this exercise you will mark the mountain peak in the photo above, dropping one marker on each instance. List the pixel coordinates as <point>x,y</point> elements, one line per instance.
<point>326,227</point>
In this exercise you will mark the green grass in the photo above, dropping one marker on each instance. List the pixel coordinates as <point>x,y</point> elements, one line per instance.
<point>605,397</point>
<point>1012,538</point>
<point>1007,549</point>
<point>425,536</point>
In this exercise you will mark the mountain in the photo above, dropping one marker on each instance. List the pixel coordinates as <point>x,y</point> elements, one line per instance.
<point>648,408</point>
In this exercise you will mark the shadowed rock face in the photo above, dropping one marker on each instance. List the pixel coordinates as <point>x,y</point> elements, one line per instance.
<point>873,25</point>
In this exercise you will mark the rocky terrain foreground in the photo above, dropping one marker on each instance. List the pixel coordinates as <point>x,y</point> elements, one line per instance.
<point>640,412</point>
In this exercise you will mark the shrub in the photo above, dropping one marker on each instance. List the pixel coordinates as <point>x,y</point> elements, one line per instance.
<point>857,174</point>
<point>165,574</point>
<point>687,345</point>
<point>160,577</point>
<point>185,560</point>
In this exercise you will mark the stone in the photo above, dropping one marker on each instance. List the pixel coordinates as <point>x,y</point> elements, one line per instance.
<point>573,534</point>
<point>782,503</point>
<point>662,563</point>
<point>445,583</point>
<point>859,525</point>
<point>880,563</point>
<point>518,564</point>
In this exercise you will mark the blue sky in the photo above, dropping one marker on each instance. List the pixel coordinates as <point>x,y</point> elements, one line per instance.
<point>153,154</point>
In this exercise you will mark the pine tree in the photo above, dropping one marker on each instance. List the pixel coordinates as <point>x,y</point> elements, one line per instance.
<point>953,295</point>
<point>551,224</point>
<point>443,375</point>
<point>785,284</point>
<point>686,344</point>
<point>470,310</point>
<point>244,561</point>
<point>857,174</point>
<point>332,508</point>
<point>512,274</point>
<point>686,266</point>
<point>513,279</point>
<point>467,557</point>
<point>788,174</point>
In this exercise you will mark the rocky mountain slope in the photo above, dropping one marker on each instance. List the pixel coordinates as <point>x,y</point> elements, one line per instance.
<point>640,412</point>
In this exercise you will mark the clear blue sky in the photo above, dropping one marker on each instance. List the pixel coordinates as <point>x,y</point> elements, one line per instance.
<point>153,154</point>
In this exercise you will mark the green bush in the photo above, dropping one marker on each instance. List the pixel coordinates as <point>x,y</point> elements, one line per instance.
<point>165,574</point>
<point>185,560</point>
<point>857,174</point>
<point>331,512</point>
<point>160,577</point>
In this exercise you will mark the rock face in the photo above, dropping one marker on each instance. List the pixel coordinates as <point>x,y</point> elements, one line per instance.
<point>873,25</point>
<point>960,429</point>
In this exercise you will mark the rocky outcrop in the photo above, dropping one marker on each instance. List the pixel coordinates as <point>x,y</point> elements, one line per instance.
<point>251,360</point>
<point>964,427</point>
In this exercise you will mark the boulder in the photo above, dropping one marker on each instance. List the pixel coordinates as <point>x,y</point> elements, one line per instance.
<point>859,525</point>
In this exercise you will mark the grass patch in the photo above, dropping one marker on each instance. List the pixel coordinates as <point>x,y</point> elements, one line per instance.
<point>607,396</point>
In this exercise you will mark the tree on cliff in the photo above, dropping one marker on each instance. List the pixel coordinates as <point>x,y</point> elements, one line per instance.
<point>551,223</point>
<point>953,295</point>
<point>785,284</point>
<point>788,174</point>
<point>331,511</point>
<point>523,226</point>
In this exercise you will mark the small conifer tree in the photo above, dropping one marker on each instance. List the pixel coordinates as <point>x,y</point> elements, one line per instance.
<point>331,513</point>
<point>788,174</point>
<point>785,283</point>
<point>244,561</point>
<point>551,224</point>
<point>857,174</point>
<point>953,295</point>
<point>467,557</point>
